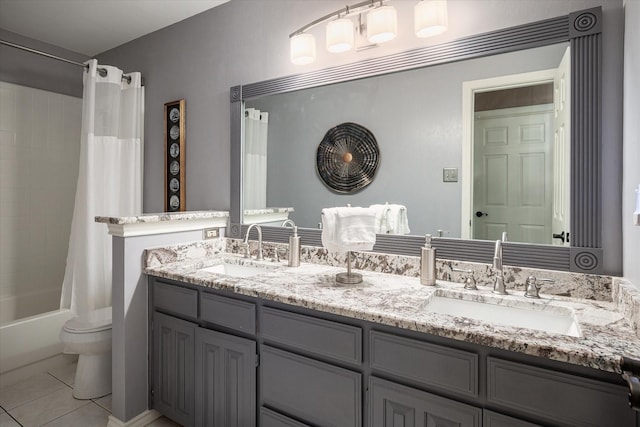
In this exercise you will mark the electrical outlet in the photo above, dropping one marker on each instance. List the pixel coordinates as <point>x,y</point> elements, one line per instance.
<point>450,175</point>
<point>211,233</point>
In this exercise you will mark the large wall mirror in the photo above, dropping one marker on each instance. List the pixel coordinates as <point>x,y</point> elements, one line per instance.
<point>443,110</point>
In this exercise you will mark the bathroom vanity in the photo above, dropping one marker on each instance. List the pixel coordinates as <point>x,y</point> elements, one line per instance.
<point>290,347</point>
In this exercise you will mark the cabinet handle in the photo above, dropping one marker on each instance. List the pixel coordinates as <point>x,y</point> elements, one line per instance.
<point>631,374</point>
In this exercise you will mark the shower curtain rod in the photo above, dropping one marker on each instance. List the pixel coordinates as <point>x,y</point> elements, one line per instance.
<point>101,71</point>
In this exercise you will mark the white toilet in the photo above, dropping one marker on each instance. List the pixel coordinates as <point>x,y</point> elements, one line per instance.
<point>89,336</point>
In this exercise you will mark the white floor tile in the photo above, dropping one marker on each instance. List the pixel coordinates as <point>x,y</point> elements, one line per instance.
<point>7,421</point>
<point>162,422</point>
<point>105,402</point>
<point>65,373</point>
<point>28,390</point>
<point>90,415</point>
<point>47,408</point>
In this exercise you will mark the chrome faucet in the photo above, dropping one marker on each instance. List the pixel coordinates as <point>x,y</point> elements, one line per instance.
<point>498,286</point>
<point>288,222</point>
<point>247,253</point>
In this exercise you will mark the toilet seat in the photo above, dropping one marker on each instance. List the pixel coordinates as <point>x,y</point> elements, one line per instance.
<point>93,321</point>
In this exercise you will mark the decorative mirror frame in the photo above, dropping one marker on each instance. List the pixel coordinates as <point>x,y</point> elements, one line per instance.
<point>583,31</point>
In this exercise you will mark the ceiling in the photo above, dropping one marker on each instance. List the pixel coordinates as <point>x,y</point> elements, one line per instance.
<point>94,26</point>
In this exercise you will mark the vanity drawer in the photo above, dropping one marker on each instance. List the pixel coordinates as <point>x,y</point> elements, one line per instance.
<point>557,397</point>
<point>317,336</point>
<point>424,363</point>
<point>175,299</point>
<point>312,391</point>
<point>228,312</point>
<point>269,418</point>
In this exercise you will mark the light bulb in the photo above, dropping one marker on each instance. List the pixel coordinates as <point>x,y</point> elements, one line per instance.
<point>303,49</point>
<point>430,18</point>
<point>340,35</point>
<point>382,24</point>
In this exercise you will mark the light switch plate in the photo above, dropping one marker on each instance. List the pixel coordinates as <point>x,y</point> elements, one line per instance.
<point>450,175</point>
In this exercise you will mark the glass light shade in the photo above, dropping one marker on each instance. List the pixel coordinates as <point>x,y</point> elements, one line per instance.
<point>302,49</point>
<point>430,17</point>
<point>340,36</point>
<point>382,24</point>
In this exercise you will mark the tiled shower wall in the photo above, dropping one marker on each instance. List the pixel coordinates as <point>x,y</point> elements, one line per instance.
<point>39,155</point>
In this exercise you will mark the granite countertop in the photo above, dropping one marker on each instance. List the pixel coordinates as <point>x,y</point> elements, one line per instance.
<point>400,301</point>
<point>161,217</point>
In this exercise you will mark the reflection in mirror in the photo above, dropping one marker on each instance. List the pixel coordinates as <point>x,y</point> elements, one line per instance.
<point>520,158</point>
<point>417,119</point>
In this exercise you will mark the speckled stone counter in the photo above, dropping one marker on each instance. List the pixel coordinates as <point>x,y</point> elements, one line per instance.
<point>162,217</point>
<point>397,300</point>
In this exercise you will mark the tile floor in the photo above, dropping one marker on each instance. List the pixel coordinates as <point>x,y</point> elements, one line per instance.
<point>46,400</point>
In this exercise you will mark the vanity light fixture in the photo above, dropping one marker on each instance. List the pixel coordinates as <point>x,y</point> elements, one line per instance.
<point>381,26</point>
<point>340,35</point>
<point>303,48</point>
<point>430,17</point>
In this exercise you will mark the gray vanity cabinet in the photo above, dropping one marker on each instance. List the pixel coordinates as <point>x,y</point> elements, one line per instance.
<point>202,377</point>
<point>225,380</point>
<point>173,368</point>
<point>394,405</point>
<point>321,369</point>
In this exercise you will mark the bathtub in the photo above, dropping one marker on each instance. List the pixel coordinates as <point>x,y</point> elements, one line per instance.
<point>31,345</point>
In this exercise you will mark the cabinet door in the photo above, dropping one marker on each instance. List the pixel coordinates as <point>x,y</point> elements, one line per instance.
<point>394,405</point>
<point>225,380</point>
<point>173,368</point>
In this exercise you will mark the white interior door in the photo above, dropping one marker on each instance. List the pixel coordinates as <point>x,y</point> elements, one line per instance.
<point>513,174</point>
<point>561,153</point>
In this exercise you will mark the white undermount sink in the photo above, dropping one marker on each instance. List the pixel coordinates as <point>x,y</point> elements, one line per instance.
<point>556,320</point>
<point>238,270</point>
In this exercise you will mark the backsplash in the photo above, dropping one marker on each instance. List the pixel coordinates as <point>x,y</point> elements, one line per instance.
<point>576,285</point>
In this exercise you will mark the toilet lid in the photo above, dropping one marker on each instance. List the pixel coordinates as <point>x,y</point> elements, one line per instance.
<point>93,321</point>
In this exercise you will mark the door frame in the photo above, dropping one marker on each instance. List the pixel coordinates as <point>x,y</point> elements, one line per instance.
<point>469,89</point>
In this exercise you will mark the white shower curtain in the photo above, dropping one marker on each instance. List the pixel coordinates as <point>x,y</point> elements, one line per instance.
<point>109,182</point>
<point>256,125</point>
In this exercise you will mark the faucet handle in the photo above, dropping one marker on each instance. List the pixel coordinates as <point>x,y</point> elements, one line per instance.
<point>277,253</point>
<point>247,251</point>
<point>469,281</point>
<point>533,287</point>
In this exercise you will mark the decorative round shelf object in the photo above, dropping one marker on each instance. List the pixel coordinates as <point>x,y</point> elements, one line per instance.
<point>174,185</point>
<point>174,150</point>
<point>174,202</point>
<point>174,132</point>
<point>174,167</point>
<point>174,115</point>
<point>347,158</point>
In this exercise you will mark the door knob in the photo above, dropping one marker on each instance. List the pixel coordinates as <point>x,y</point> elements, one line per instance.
<point>481,214</point>
<point>561,236</point>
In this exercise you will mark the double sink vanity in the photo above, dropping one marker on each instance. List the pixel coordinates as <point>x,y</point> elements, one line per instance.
<point>240,342</point>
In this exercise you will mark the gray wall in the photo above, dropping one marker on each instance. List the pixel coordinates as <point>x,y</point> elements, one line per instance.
<point>416,117</point>
<point>245,41</point>
<point>631,166</point>
<point>27,69</point>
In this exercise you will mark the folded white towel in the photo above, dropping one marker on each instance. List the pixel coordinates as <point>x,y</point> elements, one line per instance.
<point>348,229</point>
<point>381,223</point>
<point>397,219</point>
<point>329,241</point>
<point>391,219</point>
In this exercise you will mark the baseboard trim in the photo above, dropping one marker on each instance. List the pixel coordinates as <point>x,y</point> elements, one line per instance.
<point>140,420</point>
